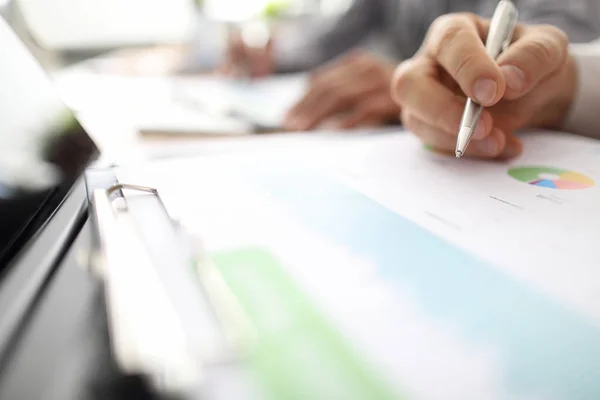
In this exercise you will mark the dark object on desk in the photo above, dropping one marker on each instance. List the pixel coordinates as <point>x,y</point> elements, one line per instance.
<point>53,338</point>
<point>63,352</point>
<point>44,149</point>
<point>43,154</point>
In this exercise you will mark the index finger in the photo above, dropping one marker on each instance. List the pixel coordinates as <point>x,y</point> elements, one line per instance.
<point>537,52</point>
<point>455,42</point>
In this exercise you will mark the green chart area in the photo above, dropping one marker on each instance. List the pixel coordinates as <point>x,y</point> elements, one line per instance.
<point>299,354</point>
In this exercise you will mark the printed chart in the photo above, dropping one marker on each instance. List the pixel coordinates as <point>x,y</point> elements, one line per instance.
<point>553,178</point>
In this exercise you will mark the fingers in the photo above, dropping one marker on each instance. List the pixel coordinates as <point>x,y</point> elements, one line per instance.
<point>537,53</point>
<point>339,88</point>
<point>376,110</point>
<point>497,145</point>
<point>455,43</point>
<point>330,92</point>
<point>453,57</point>
<point>416,88</point>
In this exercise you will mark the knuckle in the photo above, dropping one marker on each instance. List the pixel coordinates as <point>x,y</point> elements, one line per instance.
<point>331,96</point>
<point>541,51</point>
<point>448,34</point>
<point>557,34</point>
<point>367,110</point>
<point>355,57</point>
<point>322,84</point>
<point>342,96</point>
<point>560,40</point>
<point>315,78</point>
<point>372,67</point>
<point>365,65</point>
<point>446,30</point>
<point>410,122</point>
<point>361,56</point>
<point>403,80</point>
<point>463,65</point>
<point>338,94</point>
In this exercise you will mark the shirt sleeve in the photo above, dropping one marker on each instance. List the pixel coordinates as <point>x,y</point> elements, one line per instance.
<point>312,43</point>
<point>579,19</point>
<point>584,116</point>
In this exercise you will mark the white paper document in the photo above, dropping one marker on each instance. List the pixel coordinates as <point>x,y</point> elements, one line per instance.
<point>263,101</point>
<point>534,217</point>
<point>184,105</point>
<point>438,278</point>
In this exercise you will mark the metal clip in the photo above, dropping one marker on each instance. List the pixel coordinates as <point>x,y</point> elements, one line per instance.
<point>194,318</point>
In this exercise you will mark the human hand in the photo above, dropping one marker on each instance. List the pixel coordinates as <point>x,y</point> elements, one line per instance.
<point>532,84</point>
<point>354,89</point>
<point>243,60</point>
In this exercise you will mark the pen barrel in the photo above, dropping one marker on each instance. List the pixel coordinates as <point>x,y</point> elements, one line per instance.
<point>499,37</point>
<point>471,114</point>
<point>502,28</point>
<point>468,124</point>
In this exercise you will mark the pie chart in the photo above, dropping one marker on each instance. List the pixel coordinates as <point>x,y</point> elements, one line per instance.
<point>552,178</point>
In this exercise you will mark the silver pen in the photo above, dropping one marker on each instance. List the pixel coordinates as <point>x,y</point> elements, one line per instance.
<point>499,38</point>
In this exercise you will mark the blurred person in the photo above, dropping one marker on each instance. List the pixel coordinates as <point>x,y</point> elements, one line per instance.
<point>538,82</point>
<point>354,88</point>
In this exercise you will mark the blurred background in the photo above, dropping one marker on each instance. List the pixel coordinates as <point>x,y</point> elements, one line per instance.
<point>120,64</point>
<point>62,32</point>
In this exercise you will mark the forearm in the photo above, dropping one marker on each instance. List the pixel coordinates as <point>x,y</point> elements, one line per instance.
<point>318,41</point>
<point>296,47</point>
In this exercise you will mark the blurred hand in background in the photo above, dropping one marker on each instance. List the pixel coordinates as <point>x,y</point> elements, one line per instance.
<point>350,92</point>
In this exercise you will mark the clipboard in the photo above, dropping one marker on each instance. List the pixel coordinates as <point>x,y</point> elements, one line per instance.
<point>171,317</point>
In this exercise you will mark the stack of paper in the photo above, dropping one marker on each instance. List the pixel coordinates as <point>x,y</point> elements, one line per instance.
<point>373,268</point>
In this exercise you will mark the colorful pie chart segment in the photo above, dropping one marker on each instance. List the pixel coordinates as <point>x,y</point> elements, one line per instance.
<point>552,178</point>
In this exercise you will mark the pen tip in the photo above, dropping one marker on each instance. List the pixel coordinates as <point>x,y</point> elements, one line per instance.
<point>459,154</point>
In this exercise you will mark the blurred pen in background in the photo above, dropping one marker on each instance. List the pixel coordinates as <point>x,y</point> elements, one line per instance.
<point>249,50</point>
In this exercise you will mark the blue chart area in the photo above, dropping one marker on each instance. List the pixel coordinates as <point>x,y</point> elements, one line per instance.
<point>547,350</point>
<point>545,183</point>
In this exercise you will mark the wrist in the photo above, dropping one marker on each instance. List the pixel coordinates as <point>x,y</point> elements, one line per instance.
<point>557,107</point>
